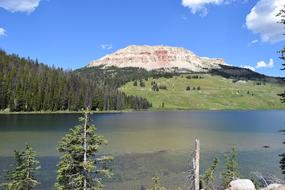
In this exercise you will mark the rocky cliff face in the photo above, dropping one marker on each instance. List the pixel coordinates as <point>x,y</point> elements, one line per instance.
<point>157,57</point>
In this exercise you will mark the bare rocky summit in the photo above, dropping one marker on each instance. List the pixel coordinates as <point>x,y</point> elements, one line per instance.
<point>158,57</point>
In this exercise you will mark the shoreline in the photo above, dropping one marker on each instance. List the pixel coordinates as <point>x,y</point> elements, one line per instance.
<point>60,112</point>
<point>129,111</point>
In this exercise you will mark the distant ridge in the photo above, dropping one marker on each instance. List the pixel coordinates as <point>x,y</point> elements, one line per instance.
<point>239,73</point>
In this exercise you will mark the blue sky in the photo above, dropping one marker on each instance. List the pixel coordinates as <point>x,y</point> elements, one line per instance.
<point>71,33</point>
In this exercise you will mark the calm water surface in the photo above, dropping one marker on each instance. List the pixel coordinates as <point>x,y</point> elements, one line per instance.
<point>148,143</point>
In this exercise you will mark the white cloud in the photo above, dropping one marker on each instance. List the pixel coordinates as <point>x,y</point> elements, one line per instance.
<point>248,67</point>
<point>106,46</point>
<point>252,42</point>
<point>260,64</point>
<point>20,5</point>
<point>263,64</point>
<point>199,6</point>
<point>262,20</point>
<point>2,32</point>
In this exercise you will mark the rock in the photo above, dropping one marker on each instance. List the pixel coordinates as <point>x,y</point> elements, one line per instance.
<point>271,186</point>
<point>274,186</point>
<point>241,184</point>
<point>281,187</point>
<point>158,57</point>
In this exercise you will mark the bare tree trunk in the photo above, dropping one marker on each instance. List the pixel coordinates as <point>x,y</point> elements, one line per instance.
<point>85,147</point>
<point>196,164</point>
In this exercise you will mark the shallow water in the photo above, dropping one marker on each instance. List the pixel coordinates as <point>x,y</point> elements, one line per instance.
<point>148,143</point>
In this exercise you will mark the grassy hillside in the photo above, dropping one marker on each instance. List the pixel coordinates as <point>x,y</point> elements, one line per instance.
<point>215,93</point>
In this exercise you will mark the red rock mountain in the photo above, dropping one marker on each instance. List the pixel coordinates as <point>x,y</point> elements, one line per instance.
<point>157,57</point>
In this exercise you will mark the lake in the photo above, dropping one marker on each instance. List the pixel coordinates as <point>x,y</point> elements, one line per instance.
<point>153,143</point>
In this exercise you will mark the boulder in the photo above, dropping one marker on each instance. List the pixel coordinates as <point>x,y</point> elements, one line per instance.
<point>241,184</point>
<point>274,186</point>
<point>281,187</point>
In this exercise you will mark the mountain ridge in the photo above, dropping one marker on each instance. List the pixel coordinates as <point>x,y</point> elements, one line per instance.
<point>175,59</point>
<point>157,57</point>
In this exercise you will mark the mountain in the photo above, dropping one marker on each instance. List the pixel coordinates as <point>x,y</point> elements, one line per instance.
<point>176,78</point>
<point>157,57</point>
<point>175,59</point>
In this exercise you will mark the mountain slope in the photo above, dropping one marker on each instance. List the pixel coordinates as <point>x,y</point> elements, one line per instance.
<point>207,92</point>
<point>157,57</point>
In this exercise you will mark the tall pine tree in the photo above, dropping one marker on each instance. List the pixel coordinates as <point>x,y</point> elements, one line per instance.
<point>208,178</point>
<point>231,171</point>
<point>80,167</point>
<point>22,176</point>
<point>281,15</point>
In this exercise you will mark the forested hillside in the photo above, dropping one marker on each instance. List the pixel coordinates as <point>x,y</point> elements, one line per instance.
<point>27,85</point>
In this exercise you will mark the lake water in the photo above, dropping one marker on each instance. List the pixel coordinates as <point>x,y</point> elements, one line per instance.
<point>153,143</point>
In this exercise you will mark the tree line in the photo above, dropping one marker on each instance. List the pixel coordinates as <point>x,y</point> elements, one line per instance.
<point>27,85</point>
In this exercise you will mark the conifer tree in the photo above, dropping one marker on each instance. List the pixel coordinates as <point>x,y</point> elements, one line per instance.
<point>281,15</point>
<point>208,178</point>
<point>156,184</point>
<point>22,176</point>
<point>80,166</point>
<point>232,169</point>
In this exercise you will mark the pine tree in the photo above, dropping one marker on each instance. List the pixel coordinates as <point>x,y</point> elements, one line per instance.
<point>80,167</point>
<point>281,14</point>
<point>208,178</point>
<point>142,83</point>
<point>135,83</point>
<point>156,184</point>
<point>232,169</point>
<point>22,177</point>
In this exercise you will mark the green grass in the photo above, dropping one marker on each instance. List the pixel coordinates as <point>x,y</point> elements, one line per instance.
<point>217,93</point>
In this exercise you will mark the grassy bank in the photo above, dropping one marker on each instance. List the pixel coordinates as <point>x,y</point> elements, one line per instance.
<point>208,92</point>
